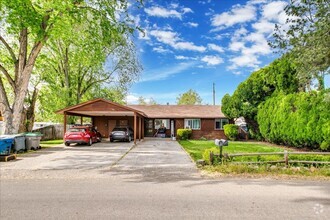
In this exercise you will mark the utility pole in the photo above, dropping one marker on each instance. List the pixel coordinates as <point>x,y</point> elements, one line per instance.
<point>213,94</point>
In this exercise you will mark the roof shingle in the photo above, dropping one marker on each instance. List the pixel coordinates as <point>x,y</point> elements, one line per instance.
<point>180,111</point>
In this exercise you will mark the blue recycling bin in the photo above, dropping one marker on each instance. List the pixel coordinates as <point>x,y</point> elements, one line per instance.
<point>6,143</point>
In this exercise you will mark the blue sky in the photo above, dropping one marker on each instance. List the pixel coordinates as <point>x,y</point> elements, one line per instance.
<point>191,44</point>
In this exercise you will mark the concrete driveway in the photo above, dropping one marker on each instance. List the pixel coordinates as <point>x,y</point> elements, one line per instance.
<point>77,161</point>
<point>157,159</point>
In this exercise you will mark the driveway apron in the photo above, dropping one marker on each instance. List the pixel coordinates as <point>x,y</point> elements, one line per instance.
<point>156,160</point>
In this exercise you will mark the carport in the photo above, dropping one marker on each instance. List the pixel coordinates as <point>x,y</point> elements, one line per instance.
<point>106,115</point>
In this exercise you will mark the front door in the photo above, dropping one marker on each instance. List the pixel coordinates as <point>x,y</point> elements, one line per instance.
<point>172,128</point>
<point>149,127</point>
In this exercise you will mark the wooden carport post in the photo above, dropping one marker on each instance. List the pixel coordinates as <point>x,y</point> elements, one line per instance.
<point>140,125</point>
<point>142,128</point>
<point>135,127</point>
<point>64,123</point>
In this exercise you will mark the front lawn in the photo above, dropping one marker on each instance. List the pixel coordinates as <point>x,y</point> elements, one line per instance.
<point>196,148</point>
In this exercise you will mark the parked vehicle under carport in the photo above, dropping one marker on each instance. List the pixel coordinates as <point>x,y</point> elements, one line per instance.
<point>122,134</point>
<point>80,135</point>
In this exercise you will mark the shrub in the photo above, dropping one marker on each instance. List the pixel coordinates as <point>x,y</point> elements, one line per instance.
<point>231,131</point>
<point>206,154</point>
<point>325,145</point>
<point>300,119</point>
<point>184,134</point>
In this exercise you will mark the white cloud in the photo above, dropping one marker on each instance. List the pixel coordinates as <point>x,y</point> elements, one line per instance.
<point>188,46</point>
<point>255,2</point>
<point>212,60</point>
<point>192,24</point>
<point>167,37</point>
<point>215,48</point>
<point>160,49</point>
<point>174,5</point>
<point>181,58</point>
<point>244,61</point>
<point>236,46</point>
<point>172,39</point>
<point>272,10</point>
<point>264,26</point>
<point>238,14</point>
<point>187,10</point>
<point>132,99</point>
<point>164,73</point>
<point>185,58</point>
<point>162,12</point>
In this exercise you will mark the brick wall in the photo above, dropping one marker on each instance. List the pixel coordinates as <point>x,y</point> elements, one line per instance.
<point>207,129</point>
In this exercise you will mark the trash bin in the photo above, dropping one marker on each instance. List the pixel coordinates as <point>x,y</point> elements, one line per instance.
<point>6,143</point>
<point>32,141</point>
<point>19,142</point>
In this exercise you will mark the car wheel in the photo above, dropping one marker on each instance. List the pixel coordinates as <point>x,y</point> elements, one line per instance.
<point>90,142</point>
<point>67,144</point>
<point>111,140</point>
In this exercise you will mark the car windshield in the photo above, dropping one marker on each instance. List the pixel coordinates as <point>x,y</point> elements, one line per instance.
<point>119,129</point>
<point>77,130</point>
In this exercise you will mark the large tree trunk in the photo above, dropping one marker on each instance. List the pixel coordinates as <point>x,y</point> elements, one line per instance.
<point>13,115</point>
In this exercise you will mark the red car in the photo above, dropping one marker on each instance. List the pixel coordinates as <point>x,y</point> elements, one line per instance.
<point>80,135</point>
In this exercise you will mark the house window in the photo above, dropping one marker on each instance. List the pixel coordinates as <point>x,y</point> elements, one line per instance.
<point>194,124</point>
<point>220,122</point>
<point>159,122</point>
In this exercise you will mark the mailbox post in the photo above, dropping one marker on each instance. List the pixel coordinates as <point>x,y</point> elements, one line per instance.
<point>220,143</point>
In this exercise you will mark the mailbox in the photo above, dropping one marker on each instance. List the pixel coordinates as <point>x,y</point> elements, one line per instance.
<point>221,142</point>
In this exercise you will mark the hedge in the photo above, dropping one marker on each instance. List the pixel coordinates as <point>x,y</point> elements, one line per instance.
<point>300,119</point>
<point>184,134</point>
<point>231,131</point>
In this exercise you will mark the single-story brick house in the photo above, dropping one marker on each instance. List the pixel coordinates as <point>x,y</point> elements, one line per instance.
<point>204,120</point>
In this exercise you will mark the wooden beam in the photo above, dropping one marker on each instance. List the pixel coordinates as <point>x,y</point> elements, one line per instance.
<point>140,125</point>
<point>81,120</point>
<point>64,123</point>
<point>135,127</point>
<point>142,128</point>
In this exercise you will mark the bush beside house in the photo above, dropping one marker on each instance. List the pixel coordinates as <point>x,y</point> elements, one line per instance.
<point>231,131</point>
<point>184,134</point>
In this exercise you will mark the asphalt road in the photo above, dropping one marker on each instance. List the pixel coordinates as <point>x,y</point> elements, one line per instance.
<point>155,180</point>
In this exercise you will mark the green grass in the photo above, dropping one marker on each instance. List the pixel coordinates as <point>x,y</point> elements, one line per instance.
<point>51,143</point>
<point>196,149</point>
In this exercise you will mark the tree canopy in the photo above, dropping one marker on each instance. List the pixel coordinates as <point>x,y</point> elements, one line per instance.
<point>191,97</point>
<point>306,35</point>
<point>279,76</point>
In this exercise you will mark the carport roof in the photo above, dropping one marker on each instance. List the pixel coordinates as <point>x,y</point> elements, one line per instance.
<point>103,107</point>
<point>99,107</point>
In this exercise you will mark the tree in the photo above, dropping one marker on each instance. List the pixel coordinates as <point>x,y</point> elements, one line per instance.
<point>190,97</point>
<point>73,74</point>
<point>26,26</point>
<point>307,35</point>
<point>279,76</point>
<point>144,101</point>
